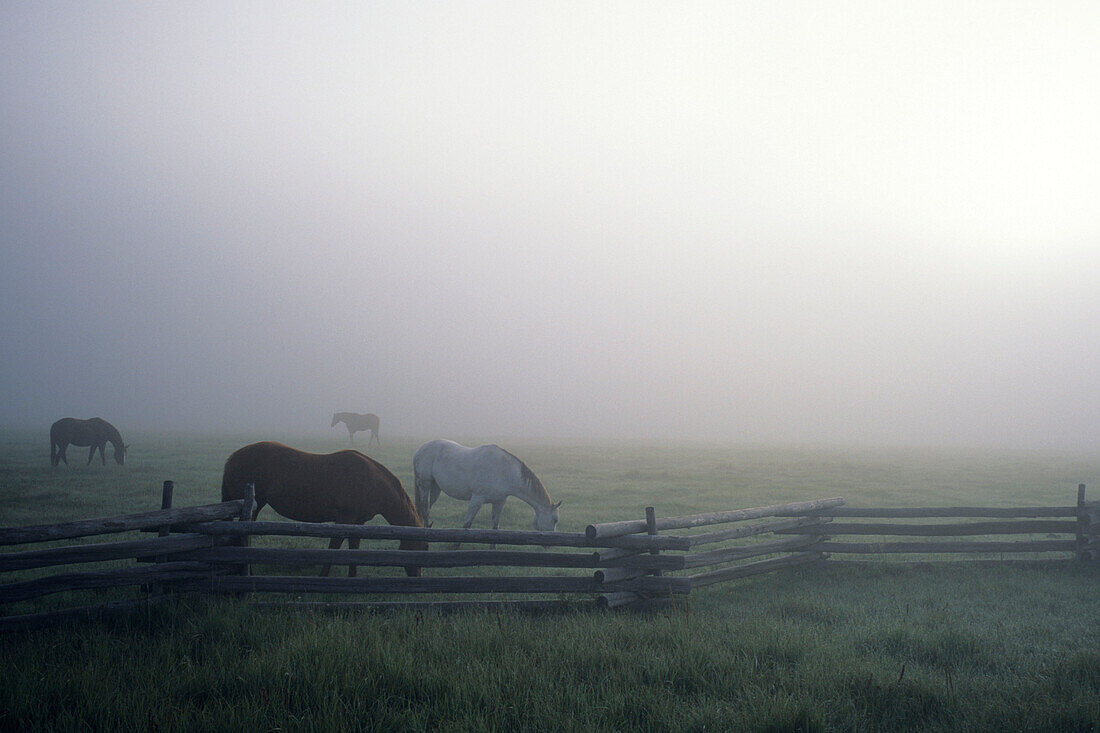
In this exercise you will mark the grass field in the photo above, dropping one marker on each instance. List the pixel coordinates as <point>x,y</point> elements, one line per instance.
<point>884,648</point>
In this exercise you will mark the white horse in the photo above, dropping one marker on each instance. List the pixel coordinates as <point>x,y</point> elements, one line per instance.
<point>487,473</point>
<point>355,422</point>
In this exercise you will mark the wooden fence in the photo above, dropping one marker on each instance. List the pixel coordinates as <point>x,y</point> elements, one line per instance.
<point>641,563</point>
<point>1063,532</point>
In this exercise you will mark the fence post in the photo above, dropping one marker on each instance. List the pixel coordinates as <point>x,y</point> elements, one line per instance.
<point>651,530</point>
<point>611,575</point>
<point>822,557</point>
<point>166,502</point>
<point>164,531</point>
<point>246,516</point>
<point>1081,520</point>
<point>1087,527</point>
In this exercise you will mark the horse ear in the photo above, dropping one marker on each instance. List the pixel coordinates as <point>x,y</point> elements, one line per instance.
<point>558,504</point>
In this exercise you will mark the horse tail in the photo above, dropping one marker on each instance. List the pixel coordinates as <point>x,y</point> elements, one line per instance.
<point>233,478</point>
<point>422,483</point>
<point>227,487</point>
<point>54,453</point>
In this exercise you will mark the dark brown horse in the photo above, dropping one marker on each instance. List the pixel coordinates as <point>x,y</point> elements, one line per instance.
<point>96,433</point>
<point>345,487</point>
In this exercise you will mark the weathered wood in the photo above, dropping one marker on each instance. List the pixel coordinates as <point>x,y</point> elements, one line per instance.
<point>99,610</point>
<point>651,531</point>
<point>752,568</point>
<point>479,536</point>
<point>939,530</point>
<point>649,562</point>
<point>614,575</point>
<point>729,554</point>
<point>875,548</point>
<point>248,510</point>
<point>122,523</point>
<point>753,529</point>
<point>466,584</point>
<point>435,559</point>
<point>951,511</point>
<point>1083,521</point>
<point>164,572</point>
<point>102,551</point>
<point>635,526</point>
<point>443,607</point>
<point>166,504</point>
<point>608,554</point>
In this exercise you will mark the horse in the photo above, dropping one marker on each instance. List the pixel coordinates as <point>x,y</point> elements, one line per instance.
<point>355,422</point>
<point>95,432</point>
<point>487,473</point>
<point>345,487</point>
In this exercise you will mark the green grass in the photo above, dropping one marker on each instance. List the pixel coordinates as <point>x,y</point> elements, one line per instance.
<point>881,648</point>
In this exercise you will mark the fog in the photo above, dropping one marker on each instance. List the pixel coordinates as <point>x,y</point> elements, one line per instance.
<point>857,223</point>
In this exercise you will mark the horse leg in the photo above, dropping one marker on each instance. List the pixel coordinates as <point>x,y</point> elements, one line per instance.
<point>353,544</point>
<point>91,455</point>
<point>333,544</point>
<point>61,453</point>
<point>498,509</point>
<point>471,512</point>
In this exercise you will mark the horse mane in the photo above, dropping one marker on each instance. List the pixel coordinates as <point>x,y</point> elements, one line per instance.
<point>401,495</point>
<point>111,433</point>
<point>529,478</point>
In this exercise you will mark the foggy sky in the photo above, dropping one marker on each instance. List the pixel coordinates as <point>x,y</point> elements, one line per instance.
<point>864,222</point>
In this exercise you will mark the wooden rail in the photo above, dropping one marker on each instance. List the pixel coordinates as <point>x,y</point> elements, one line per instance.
<point>1078,537</point>
<point>126,522</point>
<point>211,549</point>
<point>104,551</point>
<point>938,530</point>
<point>462,536</point>
<point>433,559</point>
<point>617,529</point>
<point>454,584</point>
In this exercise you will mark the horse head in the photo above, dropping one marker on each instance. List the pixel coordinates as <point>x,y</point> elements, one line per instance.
<point>413,571</point>
<point>120,453</point>
<point>546,520</point>
<point>334,420</point>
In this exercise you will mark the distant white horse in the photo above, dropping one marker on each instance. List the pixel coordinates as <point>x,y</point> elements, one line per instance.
<point>487,473</point>
<point>355,422</point>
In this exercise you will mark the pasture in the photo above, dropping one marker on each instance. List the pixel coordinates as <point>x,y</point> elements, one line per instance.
<point>946,647</point>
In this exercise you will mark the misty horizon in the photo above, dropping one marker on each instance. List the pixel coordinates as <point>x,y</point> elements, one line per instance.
<point>869,224</point>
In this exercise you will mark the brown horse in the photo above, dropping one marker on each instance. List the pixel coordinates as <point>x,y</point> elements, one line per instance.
<point>95,432</point>
<point>345,487</point>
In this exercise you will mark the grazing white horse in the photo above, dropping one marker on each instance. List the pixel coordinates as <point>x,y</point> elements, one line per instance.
<point>487,473</point>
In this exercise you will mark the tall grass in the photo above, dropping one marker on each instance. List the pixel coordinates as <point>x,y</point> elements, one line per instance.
<point>881,648</point>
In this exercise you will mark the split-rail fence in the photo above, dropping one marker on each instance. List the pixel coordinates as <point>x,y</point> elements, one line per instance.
<point>640,563</point>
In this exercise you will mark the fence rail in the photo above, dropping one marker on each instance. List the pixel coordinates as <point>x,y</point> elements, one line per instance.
<point>211,549</point>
